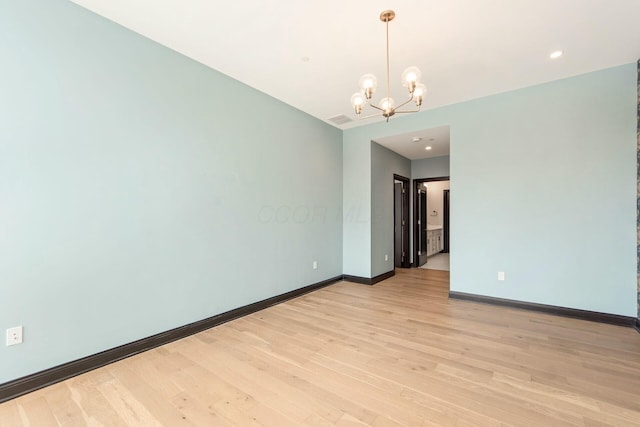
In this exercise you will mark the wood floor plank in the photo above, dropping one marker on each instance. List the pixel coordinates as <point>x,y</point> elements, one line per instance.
<point>10,415</point>
<point>95,407</point>
<point>36,412</point>
<point>399,353</point>
<point>66,411</point>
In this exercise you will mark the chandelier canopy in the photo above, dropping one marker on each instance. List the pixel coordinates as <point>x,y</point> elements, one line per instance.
<point>386,106</point>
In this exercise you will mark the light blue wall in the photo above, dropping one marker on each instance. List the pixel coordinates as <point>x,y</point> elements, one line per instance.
<point>141,191</point>
<point>542,187</point>
<point>433,167</point>
<point>384,163</point>
<point>356,241</point>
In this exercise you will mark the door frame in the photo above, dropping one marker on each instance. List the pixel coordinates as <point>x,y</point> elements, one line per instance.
<point>406,262</point>
<point>446,223</point>
<point>419,257</point>
<point>416,231</point>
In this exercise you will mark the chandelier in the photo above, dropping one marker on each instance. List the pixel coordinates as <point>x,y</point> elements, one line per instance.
<point>369,83</point>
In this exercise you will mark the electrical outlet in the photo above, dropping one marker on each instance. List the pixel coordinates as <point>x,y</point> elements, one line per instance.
<point>315,265</point>
<point>386,257</point>
<point>14,336</point>
<point>500,275</point>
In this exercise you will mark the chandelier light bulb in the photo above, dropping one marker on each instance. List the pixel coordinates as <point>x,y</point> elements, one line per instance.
<point>421,90</point>
<point>357,99</point>
<point>387,104</point>
<point>358,102</point>
<point>368,85</point>
<point>410,78</point>
<point>419,93</point>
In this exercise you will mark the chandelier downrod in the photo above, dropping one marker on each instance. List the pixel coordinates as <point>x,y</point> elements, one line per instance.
<point>385,17</point>
<point>410,80</point>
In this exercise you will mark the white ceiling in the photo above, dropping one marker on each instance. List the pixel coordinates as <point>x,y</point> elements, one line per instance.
<point>310,54</point>
<point>437,138</point>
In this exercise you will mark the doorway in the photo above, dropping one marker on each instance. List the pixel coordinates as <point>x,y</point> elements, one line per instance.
<point>401,221</point>
<point>431,223</point>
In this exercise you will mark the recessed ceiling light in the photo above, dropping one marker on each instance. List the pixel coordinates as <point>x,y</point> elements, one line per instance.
<point>416,139</point>
<point>557,54</point>
<point>427,148</point>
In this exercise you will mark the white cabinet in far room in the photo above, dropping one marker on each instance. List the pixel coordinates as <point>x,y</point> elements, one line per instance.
<point>435,241</point>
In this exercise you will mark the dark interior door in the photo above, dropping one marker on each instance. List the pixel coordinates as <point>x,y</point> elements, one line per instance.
<point>397,224</point>
<point>401,221</point>
<point>406,259</point>
<point>422,227</point>
<point>445,223</point>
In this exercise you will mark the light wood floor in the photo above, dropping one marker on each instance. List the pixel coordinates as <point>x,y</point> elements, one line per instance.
<point>397,353</point>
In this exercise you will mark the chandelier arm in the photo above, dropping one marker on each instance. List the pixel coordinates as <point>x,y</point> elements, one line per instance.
<point>376,107</point>
<point>405,102</point>
<point>370,116</point>
<point>407,111</point>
